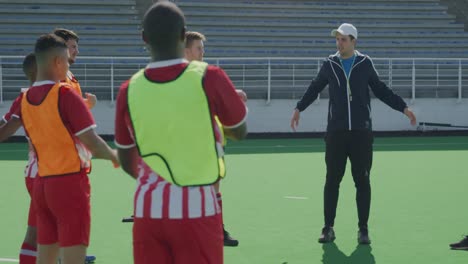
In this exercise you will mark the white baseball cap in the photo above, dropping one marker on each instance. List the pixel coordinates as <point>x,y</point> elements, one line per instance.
<point>345,29</point>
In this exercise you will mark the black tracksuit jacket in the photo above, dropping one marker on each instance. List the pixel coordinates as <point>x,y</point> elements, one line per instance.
<point>349,104</point>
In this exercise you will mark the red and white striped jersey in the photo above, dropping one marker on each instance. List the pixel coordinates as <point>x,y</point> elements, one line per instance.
<point>31,168</point>
<point>156,198</point>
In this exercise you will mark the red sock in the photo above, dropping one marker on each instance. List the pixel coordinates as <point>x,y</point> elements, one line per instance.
<point>27,254</point>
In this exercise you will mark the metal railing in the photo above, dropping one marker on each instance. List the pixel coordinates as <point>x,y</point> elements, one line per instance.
<point>262,78</point>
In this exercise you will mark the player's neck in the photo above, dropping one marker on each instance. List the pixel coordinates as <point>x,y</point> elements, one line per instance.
<point>166,55</point>
<point>165,58</point>
<point>45,76</point>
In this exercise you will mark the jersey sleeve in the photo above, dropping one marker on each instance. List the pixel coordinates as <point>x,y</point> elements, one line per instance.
<point>74,112</point>
<point>225,103</point>
<point>15,109</point>
<point>123,128</point>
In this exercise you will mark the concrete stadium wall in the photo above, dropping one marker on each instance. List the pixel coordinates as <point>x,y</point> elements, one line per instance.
<point>275,117</point>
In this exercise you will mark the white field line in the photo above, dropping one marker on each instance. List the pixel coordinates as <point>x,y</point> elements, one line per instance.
<point>296,197</point>
<point>9,260</point>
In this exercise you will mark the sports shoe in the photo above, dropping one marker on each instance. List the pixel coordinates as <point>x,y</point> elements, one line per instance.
<point>128,219</point>
<point>363,237</point>
<point>327,236</point>
<point>462,245</point>
<point>229,241</point>
<point>90,259</point>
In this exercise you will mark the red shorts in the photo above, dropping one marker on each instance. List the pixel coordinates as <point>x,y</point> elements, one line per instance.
<point>170,241</point>
<point>32,212</point>
<point>62,205</point>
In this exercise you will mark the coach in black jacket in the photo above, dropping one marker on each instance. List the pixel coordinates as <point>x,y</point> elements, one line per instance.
<point>349,74</point>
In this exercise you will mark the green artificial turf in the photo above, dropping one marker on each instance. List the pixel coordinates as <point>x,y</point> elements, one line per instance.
<point>273,197</point>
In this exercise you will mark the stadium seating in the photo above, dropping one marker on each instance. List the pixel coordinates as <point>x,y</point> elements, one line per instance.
<point>294,28</point>
<point>106,27</point>
<point>302,28</point>
<point>244,29</point>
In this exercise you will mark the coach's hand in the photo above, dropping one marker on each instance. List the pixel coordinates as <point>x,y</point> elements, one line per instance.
<point>410,115</point>
<point>295,119</point>
<point>242,95</point>
<point>90,100</point>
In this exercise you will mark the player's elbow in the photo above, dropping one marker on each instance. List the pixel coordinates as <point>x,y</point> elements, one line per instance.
<point>129,160</point>
<point>128,168</point>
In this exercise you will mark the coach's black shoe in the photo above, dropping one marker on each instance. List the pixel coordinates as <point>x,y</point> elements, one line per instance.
<point>229,241</point>
<point>327,236</point>
<point>363,236</point>
<point>462,245</point>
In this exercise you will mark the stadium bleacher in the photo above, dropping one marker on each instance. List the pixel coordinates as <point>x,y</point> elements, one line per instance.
<point>245,29</point>
<point>302,28</point>
<point>296,28</point>
<point>108,27</point>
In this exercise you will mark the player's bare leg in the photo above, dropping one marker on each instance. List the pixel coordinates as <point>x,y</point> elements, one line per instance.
<point>31,236</point>
<point>217,186</point>
<point>73,254</point>
<point>48,254</point>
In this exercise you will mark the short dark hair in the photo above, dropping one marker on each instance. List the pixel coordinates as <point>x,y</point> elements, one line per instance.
<point>47,43</point>
<point>351,37</point>
<point>163,26</point>
<point>29,63</point>
<point>66,34</point>
<point>191,36</point>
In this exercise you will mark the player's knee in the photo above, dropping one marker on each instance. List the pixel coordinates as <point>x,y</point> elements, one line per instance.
<point>74,254</point>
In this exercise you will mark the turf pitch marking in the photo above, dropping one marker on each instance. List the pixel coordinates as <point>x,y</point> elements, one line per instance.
<point>9,260</point>
<point>296,197</point>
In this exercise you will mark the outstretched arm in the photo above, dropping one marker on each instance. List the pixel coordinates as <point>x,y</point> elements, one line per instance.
<point>386,95</point>
<point>316,86</point>
<point>98,147</point>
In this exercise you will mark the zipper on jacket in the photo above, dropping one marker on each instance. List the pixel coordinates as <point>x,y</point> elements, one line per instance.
<point>348,89</point>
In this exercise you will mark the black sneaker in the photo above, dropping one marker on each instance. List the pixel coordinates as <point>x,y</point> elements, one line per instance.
<point>462,245</point>
<point>229,241</point>
<point>363,237</point>
<point>327,236</point>
<point>128,219</point>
